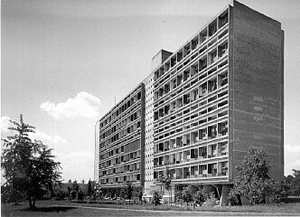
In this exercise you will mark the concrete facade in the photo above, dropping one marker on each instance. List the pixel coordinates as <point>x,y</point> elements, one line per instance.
<point>256,86</point>
<point>122,142</point>
<point>204,105</point>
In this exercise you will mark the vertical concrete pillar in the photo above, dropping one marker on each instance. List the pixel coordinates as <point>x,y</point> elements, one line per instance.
<point>224,195</point>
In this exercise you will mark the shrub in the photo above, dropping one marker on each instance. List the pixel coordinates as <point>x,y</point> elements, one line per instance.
<point>156,198</point>
<point>178,196</point>
<point>198,197</point>
<point>187,196</point>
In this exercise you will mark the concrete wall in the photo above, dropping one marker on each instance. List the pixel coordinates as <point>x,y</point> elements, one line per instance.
<point>159,58</point>
<point>256,86</point>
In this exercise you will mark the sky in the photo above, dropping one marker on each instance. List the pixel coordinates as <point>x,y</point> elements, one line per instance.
<point>64,63</point>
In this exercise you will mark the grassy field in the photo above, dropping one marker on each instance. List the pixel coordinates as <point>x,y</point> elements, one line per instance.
<point>64,208</point>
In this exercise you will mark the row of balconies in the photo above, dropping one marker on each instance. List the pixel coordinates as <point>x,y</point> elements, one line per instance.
<point>203,134</point>
<point>192,154</point>
<point>197,41</point>
<point>122,179</point>
<point>191,71</point>
<point>121,125</point>
<point>213,84</point>
<point>121,109</point>
<point>195,171</point>
<point>121,159</point>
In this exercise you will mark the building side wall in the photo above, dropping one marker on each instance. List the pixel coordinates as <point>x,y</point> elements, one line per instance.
<point>121,142</point>
<point>256,87</point>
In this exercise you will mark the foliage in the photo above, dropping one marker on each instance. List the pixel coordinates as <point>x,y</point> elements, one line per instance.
<point>234,198</point>
<point>98,193</point>
<point>80,195</point>
<point>129,190</point>
<point>178,196</point>
<point>29,168</point>
<point>253,180</point>
<point>156,198</point>
<point>187,195</point>
<point>293,183</point>
<point>198,197</point>
<point>60,195</point>
<point>90,190</point>
<point>208,192</point>
<point>165,179</point>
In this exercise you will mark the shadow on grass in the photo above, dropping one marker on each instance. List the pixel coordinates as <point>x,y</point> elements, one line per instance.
<point>50,209</point>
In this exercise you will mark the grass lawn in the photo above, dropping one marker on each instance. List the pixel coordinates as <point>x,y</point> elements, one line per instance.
<point>65,208</point>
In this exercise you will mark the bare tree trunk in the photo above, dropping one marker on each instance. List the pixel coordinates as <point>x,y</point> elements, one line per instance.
<point>31,201</point>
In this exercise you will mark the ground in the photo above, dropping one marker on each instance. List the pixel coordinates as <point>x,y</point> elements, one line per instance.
<point>64,208</point>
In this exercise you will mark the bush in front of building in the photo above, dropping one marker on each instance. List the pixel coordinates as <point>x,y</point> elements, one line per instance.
<point>156,198</point>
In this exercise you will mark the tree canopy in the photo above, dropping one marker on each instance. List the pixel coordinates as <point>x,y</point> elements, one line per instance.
<point>253,180</point>
<point>29,167</point>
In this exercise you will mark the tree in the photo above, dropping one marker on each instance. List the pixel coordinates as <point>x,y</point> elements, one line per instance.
<point>156,198</point>
<point>90,188</point>
<point>29,168</point>
<point>295,185</point>
<point>129,190</point>
<point>253,180</point>
<point>187,195</point>
<point>165,180</point>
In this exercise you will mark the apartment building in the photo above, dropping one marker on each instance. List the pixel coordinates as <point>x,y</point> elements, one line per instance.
<point>209,101</point>
<point>122,142</point>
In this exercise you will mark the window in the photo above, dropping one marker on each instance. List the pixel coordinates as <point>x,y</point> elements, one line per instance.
<point>203,89</point>
<point>212,28</point>
<point>223,168</point>
<point>166,88</point>
<point>187,49</point>
<point>222,79</point>
<point>203,170</point>
<point>203,35</point>
<point>173,106</point>
<point>167,66</point>
<point>194,171</point>
<point>186,172</point>
<point>186,74</point>
<point>194,153</point>
<point>167,109</point>
<point>202,63</point>
<point>212,151</point>
<point>212,169</point>
<point>203,134</point>
<point>222,148</point>
<point>212,131</point>
<point>179,141</point>
<point>203,152</point>
<point>223,49</point>
<point>194,42</point>
<point>178,157</point>
<point>186,99</point>
<point>172,143</point>
<point>194,69</point>
<point>179,102</point>
<point>194,137</point>
<point>186,139</point>
<point>194,95</point>
<point>223,18</point>
<point>179,56</point>
<point>212,57</point>
<point>173,84</point>
<point>212,84</point>
<point>179,79</point>
<point>173,61</point>
<point>223,128</point>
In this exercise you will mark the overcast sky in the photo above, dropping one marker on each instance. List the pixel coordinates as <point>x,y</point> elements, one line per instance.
<point>65,61</point>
